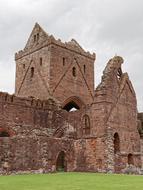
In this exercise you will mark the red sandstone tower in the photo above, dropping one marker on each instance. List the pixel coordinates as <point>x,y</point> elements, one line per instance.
<point>49,68</point>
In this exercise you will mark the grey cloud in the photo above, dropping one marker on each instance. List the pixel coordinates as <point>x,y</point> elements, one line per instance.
<point>107,27</point>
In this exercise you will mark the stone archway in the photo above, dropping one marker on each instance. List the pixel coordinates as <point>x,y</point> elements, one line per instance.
<point>72,103</point>
<point>61,163</point>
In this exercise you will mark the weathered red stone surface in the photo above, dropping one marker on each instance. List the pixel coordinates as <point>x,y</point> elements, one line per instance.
<point>40,132</point>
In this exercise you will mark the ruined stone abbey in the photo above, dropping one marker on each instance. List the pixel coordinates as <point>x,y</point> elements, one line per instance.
<point>57,121</point>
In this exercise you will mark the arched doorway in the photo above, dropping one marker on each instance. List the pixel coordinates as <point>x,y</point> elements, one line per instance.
<point>61,164</point>
<point>130,159</point>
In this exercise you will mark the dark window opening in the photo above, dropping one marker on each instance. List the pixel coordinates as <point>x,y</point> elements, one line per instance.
<point>71,106</point>
<point>61,164</point>
<point>74,71</point>
<point>64,60</point>
<point>130,159</point>
<point>32,72</point>
<point>37,36</point>
<point>116,143</point>
<point>41,61</point>
<point>86,125</point>
<point>4,134</point>
<point>34,38</point>
<point>84,68</point>
<point>119,73</point>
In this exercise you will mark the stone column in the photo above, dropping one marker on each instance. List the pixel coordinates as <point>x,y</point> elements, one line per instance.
<point>110,151</point>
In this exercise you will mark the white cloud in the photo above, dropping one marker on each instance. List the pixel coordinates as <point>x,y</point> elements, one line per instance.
<point>107,27</point>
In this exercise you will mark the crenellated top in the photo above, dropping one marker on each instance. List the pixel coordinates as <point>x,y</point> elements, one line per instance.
<point>39,39</point>
<point>29,102</point>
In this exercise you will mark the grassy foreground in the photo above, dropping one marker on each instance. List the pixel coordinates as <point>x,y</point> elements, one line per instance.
<point>71,181</point>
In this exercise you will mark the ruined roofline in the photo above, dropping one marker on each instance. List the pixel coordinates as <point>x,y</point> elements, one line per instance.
<point>114,65</point>
<point>29,101</point>
<point>49,39</point>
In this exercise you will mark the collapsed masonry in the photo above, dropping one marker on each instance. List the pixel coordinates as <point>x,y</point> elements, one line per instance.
<point>57,121</point>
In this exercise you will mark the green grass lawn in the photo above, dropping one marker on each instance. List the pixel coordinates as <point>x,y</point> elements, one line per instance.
<point>71,181</point>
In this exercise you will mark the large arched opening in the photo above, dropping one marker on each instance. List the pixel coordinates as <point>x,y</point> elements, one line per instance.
<point>72,104</point>
<point>61,163</point>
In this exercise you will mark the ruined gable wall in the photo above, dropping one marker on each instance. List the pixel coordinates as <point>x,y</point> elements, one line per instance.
<point>115,111</point>
<point>123,121</point>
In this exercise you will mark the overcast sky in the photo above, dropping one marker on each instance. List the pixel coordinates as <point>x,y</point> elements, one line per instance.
<point>106,27</point>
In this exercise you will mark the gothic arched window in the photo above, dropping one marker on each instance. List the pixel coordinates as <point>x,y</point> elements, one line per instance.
<point>86,125</point>
<point>116,143</point>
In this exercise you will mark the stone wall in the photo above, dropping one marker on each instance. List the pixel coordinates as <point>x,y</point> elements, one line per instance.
<point>34,154</point>
<point>40,133</point>
<point>116,110</point>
